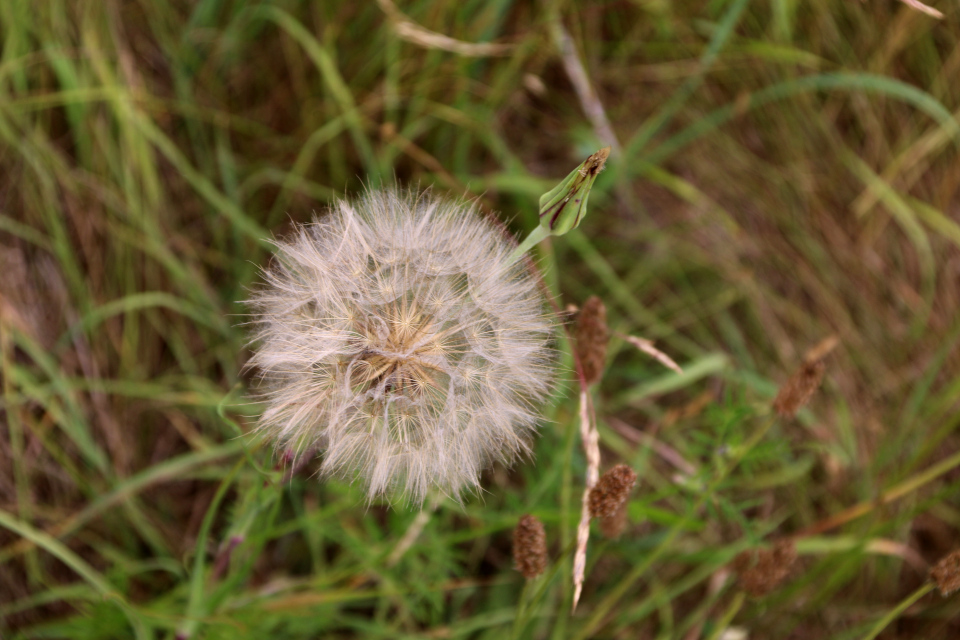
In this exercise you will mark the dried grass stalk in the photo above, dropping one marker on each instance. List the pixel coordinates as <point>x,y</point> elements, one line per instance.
<point>423,37</point>
<point>923,8</point>
<point>591,446</point>
<point>577,74</point>
<point>647,347</point>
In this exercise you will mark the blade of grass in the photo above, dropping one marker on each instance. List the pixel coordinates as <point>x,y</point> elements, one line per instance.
<point>196,602</point>
<point>331,75</point>
<point>822,82</point>
<point>78,565</point>
<point>659,120</point>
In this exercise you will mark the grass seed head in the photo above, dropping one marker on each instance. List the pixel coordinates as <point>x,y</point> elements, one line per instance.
<point>611,491</point>
<point>761,572</point>
<point>592,339</point>
<point>946,573</point>
<point>395,335</point>
<point>797,391</point>
<point>530,547</point>
<point>613,525</point>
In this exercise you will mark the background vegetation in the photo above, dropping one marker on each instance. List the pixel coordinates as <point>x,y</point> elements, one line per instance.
<point>786,171</point>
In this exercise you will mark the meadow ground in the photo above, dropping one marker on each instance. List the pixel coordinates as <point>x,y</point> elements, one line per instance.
<point>782,173</point>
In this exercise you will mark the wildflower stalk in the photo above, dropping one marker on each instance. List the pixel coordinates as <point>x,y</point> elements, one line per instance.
<point>534,238</point>
<point>563,207</point>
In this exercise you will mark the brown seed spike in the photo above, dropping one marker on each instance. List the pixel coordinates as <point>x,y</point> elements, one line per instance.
<point>612,526</point>
<point>760,572</point>
<point>797,391</point>
<point>530,547</point>
<point>611,491</point>
<point>592,339</point>
<point>946,573</point>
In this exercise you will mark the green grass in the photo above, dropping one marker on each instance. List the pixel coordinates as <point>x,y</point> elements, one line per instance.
<point>789,172</point>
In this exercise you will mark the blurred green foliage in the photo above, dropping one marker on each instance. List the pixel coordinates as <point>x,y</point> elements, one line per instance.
<point>782,172</point>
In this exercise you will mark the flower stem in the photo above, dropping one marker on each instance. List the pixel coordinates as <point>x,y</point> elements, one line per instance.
<point>538,234</point>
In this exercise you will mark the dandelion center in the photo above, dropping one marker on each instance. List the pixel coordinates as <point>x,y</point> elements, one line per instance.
<point>402,362</point>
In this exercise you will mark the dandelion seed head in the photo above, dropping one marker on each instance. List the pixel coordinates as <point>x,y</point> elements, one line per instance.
<point>396,335</point>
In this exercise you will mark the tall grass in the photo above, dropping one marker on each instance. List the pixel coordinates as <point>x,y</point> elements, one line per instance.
<point>789,171</point>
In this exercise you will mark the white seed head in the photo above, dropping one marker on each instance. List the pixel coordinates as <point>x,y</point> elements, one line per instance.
<point>396,335</point>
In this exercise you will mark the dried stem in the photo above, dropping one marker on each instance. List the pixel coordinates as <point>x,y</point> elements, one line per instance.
<point>591,447</point>
<point>591,104</point>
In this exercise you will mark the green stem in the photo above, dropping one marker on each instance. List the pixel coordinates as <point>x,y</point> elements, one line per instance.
<point>538,234</point>
<point>894,613</point>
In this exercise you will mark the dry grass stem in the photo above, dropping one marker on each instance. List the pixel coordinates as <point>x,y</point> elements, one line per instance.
<point>946,573</point>
<point>423,37</point>
<point>919,6</point>
<point>413,532</point>
<point>717,582</point>
<point>591,104</point>
<point>822,349</point>
<point>883,546</point>
<point>530,547</point>
<point>665,451</point>
<point>647,347</point>
<point>591,447</point>
<point>592,339</point>
<point>761,571</point>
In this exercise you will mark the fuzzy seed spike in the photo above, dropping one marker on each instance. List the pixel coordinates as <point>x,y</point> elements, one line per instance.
<point>611,491</point>
<point>530,547</point>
